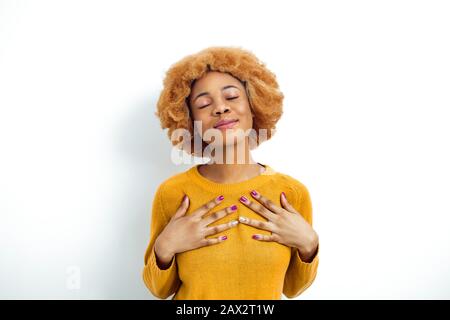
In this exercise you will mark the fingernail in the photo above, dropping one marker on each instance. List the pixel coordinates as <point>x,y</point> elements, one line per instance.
<point>254,193</point>
<point>233,223</point>
<point>185,198</point>
<point>242,219</point>
<point>256,236</point>
<point>283,195</point>
<point>223,238</point>
<point>233,207</point>
<point>220,198</point>
<point>243,199</point>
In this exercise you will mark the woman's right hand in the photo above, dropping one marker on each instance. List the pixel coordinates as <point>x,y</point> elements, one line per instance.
<point>184,233</point>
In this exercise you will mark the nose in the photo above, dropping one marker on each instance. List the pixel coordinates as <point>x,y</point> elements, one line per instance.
<point>221,108</point>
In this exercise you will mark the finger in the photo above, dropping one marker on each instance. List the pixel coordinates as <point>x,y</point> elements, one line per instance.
<point>181,211</point>
<point>212,241</point>
<point>200,212</point>
<point>264,225</point>
<point>258,208</point>
<point>266,202</point>
<point>264,237</point>
<point>285,203</point>
<point>221,227</point>
<point>219,215</point>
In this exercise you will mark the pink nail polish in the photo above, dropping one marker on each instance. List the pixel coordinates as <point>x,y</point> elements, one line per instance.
<point>243,199</point>
<point>220,198</point>
<point>233,207</point>
<point>223,238</point>
<point>254,193</point>
<point>255,236</point>
<point>283,194</point>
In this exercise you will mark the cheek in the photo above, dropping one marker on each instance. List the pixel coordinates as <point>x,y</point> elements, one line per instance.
<point>245,115</point>
<point>204,120</point>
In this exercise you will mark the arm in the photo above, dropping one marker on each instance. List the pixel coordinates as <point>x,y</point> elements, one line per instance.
<point>160,272</point>
<point>301,273</point>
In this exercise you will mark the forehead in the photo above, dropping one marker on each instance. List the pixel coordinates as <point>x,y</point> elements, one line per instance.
<point>214,79</point>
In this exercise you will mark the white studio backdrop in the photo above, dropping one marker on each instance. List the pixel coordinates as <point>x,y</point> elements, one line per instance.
<point>365,128</point>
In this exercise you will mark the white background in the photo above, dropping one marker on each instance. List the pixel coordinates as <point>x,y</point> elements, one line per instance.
<point>365,128</point>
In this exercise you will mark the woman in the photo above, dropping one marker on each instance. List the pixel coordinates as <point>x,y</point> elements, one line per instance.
<point>232,228</point>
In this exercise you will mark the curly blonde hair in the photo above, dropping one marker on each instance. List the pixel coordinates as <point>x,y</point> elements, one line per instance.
<point>265,98</point>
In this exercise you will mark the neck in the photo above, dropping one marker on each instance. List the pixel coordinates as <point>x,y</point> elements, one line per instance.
<point>231,166</point>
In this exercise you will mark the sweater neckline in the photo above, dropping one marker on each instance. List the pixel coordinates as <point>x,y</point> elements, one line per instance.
<point>243,186</point>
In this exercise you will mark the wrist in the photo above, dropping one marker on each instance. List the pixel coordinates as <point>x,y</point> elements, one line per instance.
<point>307,250</point>
<point>163,249</point>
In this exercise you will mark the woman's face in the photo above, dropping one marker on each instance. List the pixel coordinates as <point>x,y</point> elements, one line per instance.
<point>219,96</point>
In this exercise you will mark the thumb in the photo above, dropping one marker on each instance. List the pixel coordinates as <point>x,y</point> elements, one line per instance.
<point>183,207</point>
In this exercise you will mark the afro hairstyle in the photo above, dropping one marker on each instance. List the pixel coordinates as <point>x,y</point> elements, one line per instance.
<point>265,98</point>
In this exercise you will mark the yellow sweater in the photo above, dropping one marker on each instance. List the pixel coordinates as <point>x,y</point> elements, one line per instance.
<point>239,267</point>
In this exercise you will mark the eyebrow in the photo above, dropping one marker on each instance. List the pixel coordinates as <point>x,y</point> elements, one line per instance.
<point>205,93</point>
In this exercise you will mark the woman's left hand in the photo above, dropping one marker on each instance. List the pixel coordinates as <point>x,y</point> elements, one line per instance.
<point>288,226</point>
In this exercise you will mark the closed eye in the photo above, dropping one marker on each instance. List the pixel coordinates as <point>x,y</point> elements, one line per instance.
<point>232,98</point>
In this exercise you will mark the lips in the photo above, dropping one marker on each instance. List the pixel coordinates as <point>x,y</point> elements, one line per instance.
<point>224,123</point>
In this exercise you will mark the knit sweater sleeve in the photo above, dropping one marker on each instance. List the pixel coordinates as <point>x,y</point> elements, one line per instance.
<point>161,282</point>
<point>300,275</point>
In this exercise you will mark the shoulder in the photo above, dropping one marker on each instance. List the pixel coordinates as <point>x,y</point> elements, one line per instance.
<point>170,191</point>
<point>294,186</point>
<point>173,184</point>
<point>298,195</point>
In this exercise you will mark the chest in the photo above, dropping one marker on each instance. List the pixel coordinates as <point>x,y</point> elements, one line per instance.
<point>240,254</point>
